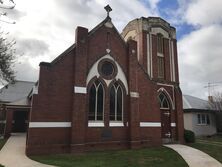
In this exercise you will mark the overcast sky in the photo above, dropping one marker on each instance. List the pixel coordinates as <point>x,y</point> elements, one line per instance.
<point>45,28</point>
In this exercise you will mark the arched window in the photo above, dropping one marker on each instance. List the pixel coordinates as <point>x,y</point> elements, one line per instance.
<point>160,56</point>
<point>96,101</point>
<point>116,103</point>
<point>163,101</point>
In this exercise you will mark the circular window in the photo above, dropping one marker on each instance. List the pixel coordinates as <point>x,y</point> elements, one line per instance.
<point>107,69</point>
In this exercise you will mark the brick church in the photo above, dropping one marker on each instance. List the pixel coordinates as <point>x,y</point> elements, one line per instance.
<point>109,91</point>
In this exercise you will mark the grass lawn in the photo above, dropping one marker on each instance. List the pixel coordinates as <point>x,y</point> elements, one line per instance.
<point>2,143</point>
<point>125,158</point>
<point>211,146</point>
<point>215,138</point>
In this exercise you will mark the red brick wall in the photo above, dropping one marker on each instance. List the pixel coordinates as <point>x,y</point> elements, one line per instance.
<point>54,104</point>
<point>57,102</point>
<point>79,100</point>
<point>98,45</point>
<point>48,141</point>
<point>55,92</point>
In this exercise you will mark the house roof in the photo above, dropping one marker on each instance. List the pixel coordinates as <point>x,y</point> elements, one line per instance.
<point>191,102</point>
<point>20,102</point>
<point>16,91</point>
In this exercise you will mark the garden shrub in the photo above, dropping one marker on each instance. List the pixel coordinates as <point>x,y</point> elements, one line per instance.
<point>189,136</point>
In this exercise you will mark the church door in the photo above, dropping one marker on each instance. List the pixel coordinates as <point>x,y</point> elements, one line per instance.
<point>165,123</point>
<point>165,116</point>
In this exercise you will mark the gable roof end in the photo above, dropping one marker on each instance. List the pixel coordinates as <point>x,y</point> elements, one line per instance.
<point>108,23</point>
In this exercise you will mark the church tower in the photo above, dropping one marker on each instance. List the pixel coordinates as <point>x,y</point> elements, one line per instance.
<point>156,45</point>
<point>157,56</point>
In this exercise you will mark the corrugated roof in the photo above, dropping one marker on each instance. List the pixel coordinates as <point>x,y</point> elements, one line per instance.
<point>16,91</point>
<point>191,102</point>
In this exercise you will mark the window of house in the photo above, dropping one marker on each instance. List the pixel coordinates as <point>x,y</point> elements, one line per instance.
<point>96,101</point>
<point>116,103</point>
<point>164,104</point>
<point>160,56</point>
<point>203,119</point>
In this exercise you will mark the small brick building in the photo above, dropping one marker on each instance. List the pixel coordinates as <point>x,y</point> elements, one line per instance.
<point>109,91</point>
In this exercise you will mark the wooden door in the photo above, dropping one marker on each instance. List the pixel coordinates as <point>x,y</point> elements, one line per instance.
<point>165,123</point>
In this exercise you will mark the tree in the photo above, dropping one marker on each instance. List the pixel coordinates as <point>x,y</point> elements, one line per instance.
<point>7,56</point>
<point>216,103</point>
<point>7,51</point>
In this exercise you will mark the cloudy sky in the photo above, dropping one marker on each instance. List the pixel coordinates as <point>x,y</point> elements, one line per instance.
<point>44,29</point>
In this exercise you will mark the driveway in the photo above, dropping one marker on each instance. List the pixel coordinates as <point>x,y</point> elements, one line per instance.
<point>194,157</point>
<point>13,153</point>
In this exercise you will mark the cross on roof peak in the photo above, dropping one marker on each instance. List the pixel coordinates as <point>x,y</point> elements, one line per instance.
<point>108,9</point>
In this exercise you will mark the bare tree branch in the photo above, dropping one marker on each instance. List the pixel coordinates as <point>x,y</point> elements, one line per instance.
<point>7,59</point>
<point>216,101</point>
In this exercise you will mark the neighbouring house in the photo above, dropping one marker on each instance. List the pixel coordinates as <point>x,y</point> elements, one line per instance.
<point>109,91</point>
<point>199,116</point>
<point>13,99</point>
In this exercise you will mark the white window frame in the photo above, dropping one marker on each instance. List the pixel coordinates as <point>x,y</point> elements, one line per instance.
<point>203,119</point>
<point>116,89</point>
<point>161,101</point>
<point>97,87</point>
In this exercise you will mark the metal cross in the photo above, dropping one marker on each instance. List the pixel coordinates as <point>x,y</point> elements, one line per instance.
<point>108,9</point>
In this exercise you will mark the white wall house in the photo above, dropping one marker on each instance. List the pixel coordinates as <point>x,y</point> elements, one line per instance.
<point>199,116</point>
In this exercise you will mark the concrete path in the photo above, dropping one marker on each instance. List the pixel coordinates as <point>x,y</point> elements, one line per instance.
<point>13,153</point>
<point>194,157</point>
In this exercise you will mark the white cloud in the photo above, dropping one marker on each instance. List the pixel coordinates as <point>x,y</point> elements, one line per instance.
<point>199,50</point>
<point>153,4</point>
<point>204,12</point>
<point>199,59</point>
<point>25,71</point>
<point>54,22</point>
<point>196,12</point>
<point>50,26</point>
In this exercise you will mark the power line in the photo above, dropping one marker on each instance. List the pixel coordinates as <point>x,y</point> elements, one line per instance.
<point>211,85</point>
